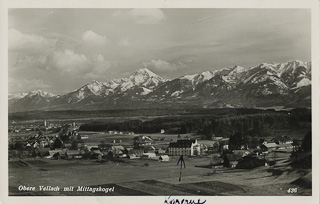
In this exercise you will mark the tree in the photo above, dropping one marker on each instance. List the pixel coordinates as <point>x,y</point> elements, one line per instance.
<point>246,140</point>
<point>57,143</point>
<point>295,144</point>
<point>254,143</point>
<point>74,144</point>
<point>226,162</point>
<point>215,147</point>
<point>235,141</point>
<point>306,142</point>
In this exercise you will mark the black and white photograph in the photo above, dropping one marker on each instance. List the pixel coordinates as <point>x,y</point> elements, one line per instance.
<point>167,102</point>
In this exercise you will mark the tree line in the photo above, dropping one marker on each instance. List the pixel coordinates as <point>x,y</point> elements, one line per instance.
<point>256,124</point>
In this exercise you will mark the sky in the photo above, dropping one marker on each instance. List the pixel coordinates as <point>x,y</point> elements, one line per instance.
<point>60,50</point>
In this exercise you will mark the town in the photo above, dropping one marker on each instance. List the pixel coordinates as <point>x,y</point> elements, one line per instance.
<point>125,160</point>
<point>65,141</point>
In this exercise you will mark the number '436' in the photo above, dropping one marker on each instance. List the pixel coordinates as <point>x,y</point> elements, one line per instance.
<point>292,190</point>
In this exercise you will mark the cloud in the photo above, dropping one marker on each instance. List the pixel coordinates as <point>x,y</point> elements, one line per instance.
<point>21,42</point>
<point>99,68</point>
<point>141,16</point>
<point>25,85</point>
<point>124,42</point>
<point>147,16</point>
<point>100,65</point>
<point>163,66</point>
<point>68,61</point>
<point>91,38</point>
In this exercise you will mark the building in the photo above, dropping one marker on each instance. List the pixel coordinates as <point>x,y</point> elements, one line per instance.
<point>270,145</point>
<point>118,150</point>
<point>71,154</point>
<point>164,158</point>
<point>149,155</point>
<point>231,160</point>
<point>184,147</point>
<point>285,146</point>
<point>141,141</point>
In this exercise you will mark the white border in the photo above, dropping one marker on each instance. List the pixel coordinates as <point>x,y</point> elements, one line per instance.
<point>5,4</point>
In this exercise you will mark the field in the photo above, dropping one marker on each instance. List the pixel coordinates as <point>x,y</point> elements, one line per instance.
<point>133,177</point>
<point>149,176</point>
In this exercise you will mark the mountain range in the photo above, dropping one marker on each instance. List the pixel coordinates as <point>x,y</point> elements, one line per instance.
<point>285,85</point>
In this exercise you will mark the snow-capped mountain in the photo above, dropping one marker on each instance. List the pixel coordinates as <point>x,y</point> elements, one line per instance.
<point>32,101</point>
<point>268,84</point>
<point>142,82</point>
<point>40,93</point>
<point>16,96</point>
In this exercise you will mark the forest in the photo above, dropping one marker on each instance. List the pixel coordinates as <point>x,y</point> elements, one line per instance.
<point>226,123</point>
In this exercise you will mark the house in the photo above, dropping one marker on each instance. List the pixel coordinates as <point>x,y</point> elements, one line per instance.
<point>203,149</point>
<point>89,147</point>
<point>285,146</point>
<point>164,158</point>
<point>118,150</point>
<point>36,145</point>
<point>184,147</point>
<point>225,147</point>
<point>149,149</point>
<point>264,149</point>
<point>141,141</point>
<point>249,162</point>
<point>104,148</point>
<point>160,151</point>
<point>130,133</point>
<point>270,146</point>
<point>44,144</point>
<point>231,160</point>
<point>94,151</point>
<point>162,131</point>
<point>242,153</point>
<point>136,152</point>
<point>149,155</point>
<point>71,154</point>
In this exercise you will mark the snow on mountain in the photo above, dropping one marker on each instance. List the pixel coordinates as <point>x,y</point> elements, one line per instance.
<point>236,74</point>
<point>146,78</point>
<point>141,82</point>
<point>189,77</point>
<point>304,82</point>
<point>40,93</point>
<point>176,93</point>
<point>292,80</point>
<point>145,91</point>
<point>95,87</point>
<point>17,96</point>
<point>199,78</point>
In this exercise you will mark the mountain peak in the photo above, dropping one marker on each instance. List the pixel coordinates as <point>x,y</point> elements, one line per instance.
<point>145,77</point>
<point>40,93</point>
<point>96,82</point>
<point>145,71</point>
<point>17,96</point>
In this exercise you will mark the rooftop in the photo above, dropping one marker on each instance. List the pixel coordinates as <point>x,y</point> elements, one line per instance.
<point>182,143</point>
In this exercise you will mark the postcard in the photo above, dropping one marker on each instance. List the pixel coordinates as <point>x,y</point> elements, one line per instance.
<point>168,102</point>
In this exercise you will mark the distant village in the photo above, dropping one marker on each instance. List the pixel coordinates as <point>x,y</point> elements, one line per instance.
<point>65,141</point>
